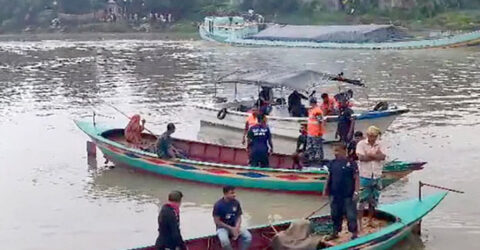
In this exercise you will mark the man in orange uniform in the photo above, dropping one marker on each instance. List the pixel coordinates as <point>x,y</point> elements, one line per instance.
<point>329,105</point>
<point>315,131</point>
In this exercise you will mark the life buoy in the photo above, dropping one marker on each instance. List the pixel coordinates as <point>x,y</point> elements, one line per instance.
<point>381,106</point>
<point>222,113</point>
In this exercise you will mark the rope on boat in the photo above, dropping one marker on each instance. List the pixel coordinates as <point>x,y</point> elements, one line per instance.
<point>318,210</point>
<point>421,184</point>
<point>442,188</point>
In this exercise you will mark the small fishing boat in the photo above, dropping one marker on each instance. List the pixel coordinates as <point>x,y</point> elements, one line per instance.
<point>392,223</point>
<point>239,31</point>
<point>233,114</point>
<point>221,165</point>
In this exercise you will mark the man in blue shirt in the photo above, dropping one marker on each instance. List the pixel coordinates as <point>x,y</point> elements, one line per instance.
<point>342,188</point>
<point>227,214</point>
<point>259,143</point>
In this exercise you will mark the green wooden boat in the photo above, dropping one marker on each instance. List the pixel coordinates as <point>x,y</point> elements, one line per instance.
<point>400,219</point>
<point>222,165</point>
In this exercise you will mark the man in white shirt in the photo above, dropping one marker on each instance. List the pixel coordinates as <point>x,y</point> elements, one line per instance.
<point>371,156</point>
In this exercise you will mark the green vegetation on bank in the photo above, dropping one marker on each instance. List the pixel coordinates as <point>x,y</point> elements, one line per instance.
<point>37,15</point>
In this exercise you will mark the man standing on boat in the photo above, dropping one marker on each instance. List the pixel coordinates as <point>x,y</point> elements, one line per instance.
<point>265,98</point>
<point>295,107</point>
<point>259,143</point>
<point>169,236</point>
<point>342,189</point>
<point>371,156</point>
<point>227,215</point>
<point>315,131</point>
<point>250,122</point>
<point>346,123</point>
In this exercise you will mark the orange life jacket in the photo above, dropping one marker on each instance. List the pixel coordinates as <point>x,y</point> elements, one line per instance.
<point>252,119</point>
<point>329,107</point>
<point>314,127</point>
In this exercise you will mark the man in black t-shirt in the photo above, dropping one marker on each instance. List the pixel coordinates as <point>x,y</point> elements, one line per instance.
<point>345,124</point>
<point>352,146</point>
<point>295,107</point>
<point>169,236</point>
<point>227,214</point>
<point>342,188</point>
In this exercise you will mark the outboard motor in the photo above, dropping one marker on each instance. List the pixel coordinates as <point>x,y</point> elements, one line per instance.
<point>381,106</point>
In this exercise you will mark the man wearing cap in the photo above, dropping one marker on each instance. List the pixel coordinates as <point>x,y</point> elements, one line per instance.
<point>315,131</point>
<point>371,156</point>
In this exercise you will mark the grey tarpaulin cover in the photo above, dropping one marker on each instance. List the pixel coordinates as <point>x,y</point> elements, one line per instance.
<point>296,80</point>
<point>297,236</point>
<point>331,33</point>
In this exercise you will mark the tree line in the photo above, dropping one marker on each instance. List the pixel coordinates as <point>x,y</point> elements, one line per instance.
<point>26,12</point>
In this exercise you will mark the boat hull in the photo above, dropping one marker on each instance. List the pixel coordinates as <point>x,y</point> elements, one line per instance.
<point>277,179</point>
<point>459,40</point>
<point>289,126</point>
<point>404,217</point>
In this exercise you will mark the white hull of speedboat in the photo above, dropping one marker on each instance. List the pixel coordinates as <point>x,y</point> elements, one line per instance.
<point>289,126</point>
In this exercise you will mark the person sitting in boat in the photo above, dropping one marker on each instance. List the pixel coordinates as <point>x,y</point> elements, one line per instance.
<point>164,147</point>
<point>352,146</point>
<point>329,105</point>
<point>227,215</point>
<point>342,189</point>
<point>169,236</point>
<point>345,124</point>
<point>259,143</point>
<point>315,131</point>
<point>133,131</point>
<point>295,106</point>
<point>298,156</point>
<point>371,156</point>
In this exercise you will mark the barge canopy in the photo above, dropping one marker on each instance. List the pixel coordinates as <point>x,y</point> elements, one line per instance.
<point>332,33</point>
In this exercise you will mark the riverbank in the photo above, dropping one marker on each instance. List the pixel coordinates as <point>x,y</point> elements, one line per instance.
<point>186,29</point>
<point>98,36</point>
<point>182,30</point>
<point>466,20</point>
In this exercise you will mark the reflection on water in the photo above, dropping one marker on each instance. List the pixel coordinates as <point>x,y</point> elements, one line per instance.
<point>52,192</point>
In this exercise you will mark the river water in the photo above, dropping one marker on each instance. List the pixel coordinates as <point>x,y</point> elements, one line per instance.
<point>53,197</point>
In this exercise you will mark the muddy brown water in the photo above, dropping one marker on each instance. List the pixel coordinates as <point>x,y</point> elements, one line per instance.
<point>53,197</point>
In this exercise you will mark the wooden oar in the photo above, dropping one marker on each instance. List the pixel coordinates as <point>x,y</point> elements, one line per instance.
<point>124,114</point>
<point>318,210</point>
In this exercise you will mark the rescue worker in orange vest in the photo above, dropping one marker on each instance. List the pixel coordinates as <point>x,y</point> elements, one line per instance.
<point>252,120</point>
<point>329,105</point>
<point>315,131</point>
